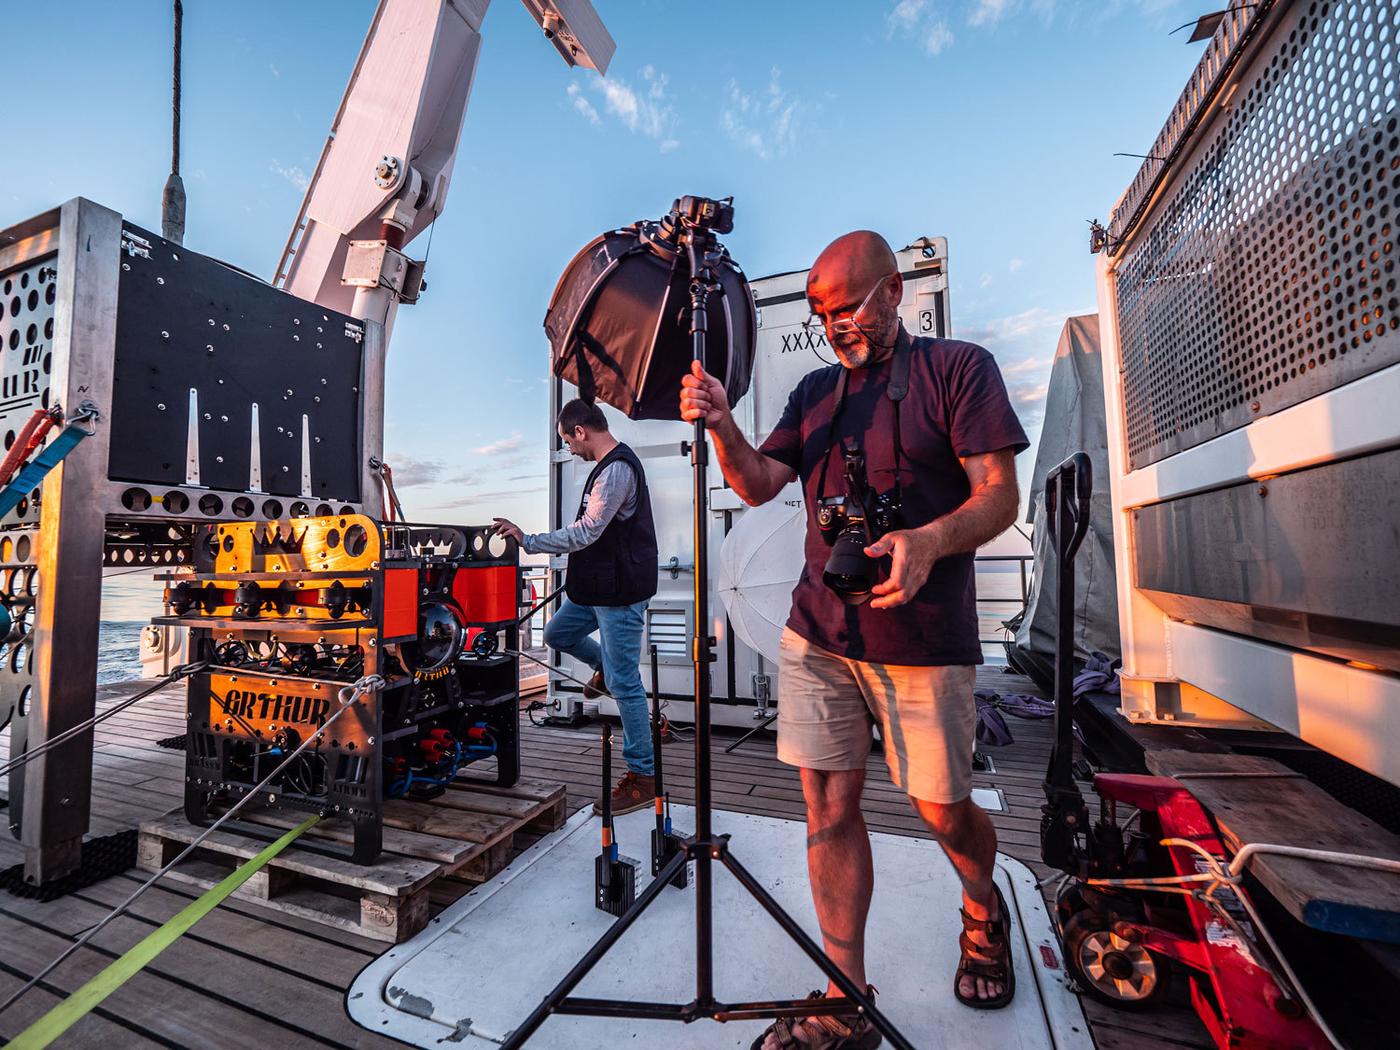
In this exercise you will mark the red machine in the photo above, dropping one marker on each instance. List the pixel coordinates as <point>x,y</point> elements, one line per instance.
<point>1137,902</point>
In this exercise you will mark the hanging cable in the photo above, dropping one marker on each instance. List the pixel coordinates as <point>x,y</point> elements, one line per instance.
<point>348,696</point>
<point>172,199</point>
<point>183,671</point>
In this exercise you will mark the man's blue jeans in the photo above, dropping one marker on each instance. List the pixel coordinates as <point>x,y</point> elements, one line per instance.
<point>619,658</point>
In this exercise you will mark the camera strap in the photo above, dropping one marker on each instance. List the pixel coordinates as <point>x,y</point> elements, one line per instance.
<point>896,390</point>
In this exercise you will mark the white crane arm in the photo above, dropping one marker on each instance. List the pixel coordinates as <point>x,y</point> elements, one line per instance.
<point>384,171</point>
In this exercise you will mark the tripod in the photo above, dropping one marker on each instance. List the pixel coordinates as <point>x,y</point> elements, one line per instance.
<point>702,251</point>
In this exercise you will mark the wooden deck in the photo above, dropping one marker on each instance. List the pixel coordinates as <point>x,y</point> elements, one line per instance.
<point>249,977</point>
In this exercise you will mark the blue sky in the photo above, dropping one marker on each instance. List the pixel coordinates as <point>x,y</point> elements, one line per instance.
<point>990,122</point>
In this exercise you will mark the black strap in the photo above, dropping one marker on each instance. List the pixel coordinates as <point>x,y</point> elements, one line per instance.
<point>896,390</point>
<point>831,429</point>
<point>587,385</point>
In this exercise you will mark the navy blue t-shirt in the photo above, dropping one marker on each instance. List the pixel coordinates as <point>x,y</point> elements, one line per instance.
<point>956,406</point>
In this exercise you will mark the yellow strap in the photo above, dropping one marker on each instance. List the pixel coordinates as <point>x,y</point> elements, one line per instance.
<point>77,1006</point>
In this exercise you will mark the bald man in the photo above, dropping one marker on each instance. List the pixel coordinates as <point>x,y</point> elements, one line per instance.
<point>905,659</point>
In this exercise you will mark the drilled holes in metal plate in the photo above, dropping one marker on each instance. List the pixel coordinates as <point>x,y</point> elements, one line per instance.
<point>26,343</point>
<point>1268,275</point>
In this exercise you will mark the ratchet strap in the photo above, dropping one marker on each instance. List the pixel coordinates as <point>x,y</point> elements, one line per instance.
<point>33,472</point>
<point>78,1005</point>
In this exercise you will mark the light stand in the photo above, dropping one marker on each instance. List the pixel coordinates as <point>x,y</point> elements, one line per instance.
<point>702,253</point>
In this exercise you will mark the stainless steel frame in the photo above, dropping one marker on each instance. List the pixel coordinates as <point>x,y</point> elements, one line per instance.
<point>53,549</point>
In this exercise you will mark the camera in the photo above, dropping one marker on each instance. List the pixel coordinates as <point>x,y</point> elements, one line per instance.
<point>550,24</point>
<point>704,213</point>
<point>849,524</point>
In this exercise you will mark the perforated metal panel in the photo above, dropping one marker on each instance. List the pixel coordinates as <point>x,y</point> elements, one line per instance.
<point>1265,275</point>
<point>19,589</point>
<point>27,295</point>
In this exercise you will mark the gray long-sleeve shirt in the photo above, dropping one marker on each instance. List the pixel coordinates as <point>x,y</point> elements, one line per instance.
<point>614,494</point>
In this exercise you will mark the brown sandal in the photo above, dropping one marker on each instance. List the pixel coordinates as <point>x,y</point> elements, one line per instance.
<point>991,962</point>
<point>859,1033</point>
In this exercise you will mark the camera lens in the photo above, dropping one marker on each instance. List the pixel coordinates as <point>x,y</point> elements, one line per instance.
<point>850,572</point>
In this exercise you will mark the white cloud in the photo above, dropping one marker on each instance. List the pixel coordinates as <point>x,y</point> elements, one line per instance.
<point>766,123</point>
<point>583,105</point>
<point>1015,264</point>
<point>409,471</point>
<point>1023,344</point>
<point>905,15</point>
<point>295,175</point>
<point>1028,395</point>
<point>988,12</point>
<point>937,38</point>
<point>928,24</point>
<point>644,110</point>
<point>985,282</point>
<point>275,71</point>
<point>491,500</point>
<point>497,448</point>
<point>1026,366</point>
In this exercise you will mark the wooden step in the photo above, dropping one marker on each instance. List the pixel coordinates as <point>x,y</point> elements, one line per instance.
<point>465,834</point>
<point>1258,800</point>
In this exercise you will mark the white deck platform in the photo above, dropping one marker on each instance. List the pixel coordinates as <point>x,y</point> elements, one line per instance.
<point>487,960</point>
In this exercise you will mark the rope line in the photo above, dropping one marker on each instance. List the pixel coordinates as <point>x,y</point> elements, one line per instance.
<point>183,671</point>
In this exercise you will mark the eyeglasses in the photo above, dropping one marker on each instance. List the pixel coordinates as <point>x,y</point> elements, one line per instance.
<point>851,323</point>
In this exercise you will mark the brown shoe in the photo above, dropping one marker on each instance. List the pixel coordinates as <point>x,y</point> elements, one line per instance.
<point>596,687</point>
<point>633,792</point>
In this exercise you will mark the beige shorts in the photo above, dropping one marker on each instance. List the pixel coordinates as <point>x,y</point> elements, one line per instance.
<point>927,715</point>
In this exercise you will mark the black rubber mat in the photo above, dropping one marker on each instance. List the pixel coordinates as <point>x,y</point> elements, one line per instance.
<point>102,858</point>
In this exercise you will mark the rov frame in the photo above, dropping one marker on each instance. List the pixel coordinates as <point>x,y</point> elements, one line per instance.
<point>219,397</point>
<point>287,614</point>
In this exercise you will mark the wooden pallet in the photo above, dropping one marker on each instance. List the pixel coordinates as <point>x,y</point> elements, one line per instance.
<point>466,833</point>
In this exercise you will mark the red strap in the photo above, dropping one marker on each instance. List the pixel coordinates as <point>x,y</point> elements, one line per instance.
<point>30,436</point>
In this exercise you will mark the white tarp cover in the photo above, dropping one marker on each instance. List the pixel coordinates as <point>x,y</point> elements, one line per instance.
<point>1074,422</point>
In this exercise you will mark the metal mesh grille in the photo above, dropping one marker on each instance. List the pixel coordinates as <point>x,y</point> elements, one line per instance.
<point>1266,276</point>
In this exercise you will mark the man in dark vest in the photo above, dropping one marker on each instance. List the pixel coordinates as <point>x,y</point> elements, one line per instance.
<point>611,576</point>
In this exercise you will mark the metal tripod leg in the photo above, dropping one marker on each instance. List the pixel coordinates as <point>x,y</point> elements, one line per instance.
<point>754,731</point>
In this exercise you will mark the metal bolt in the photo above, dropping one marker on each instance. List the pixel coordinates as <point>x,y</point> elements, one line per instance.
<point>160,280</point>
<point>161,406</point>
<point>165,335</point>
<point>296,338</point>
<point>208,416</point>
<point>211,322</point>
<point>218,459</point>
<point>296,320</point>
<point>225,328</point>
<point>1254,406</point>
<point>209,348</point>
<point>373,642</point>
<point>1263,490</point>
<point>224,418</point>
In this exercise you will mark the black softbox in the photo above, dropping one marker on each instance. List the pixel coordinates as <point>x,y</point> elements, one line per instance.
<point>619,323</point>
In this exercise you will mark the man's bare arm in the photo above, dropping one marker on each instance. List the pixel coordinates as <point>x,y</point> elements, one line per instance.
<point>755,477</point>
<point>986,513</point>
